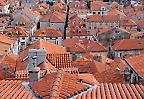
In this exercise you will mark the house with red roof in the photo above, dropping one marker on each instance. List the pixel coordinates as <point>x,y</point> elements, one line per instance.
<point>77,47</point>
<point>128,47</point>
<point>8,45</point>
<point>134,71</point>
<point>4,6</point>
<point>99,7</point>
<point>25,17</point>
<point>108,35</point>
<point>98,21</point>
<point>128,24</point>
<point>54,20</point>
<point>50,34</point>
<point>113,91</point>
<point>19,33</point>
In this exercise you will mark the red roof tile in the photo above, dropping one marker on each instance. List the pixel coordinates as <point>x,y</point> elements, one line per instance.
<point>83,45</point>
<point>9,61</point>
<point>47,32</point>
<point>97,18</point>
<point>114,91</point>
<point>137,64</point>
<point>88,78</point>
<point>14,89</point>
<point>16,32</point>
<point>96,6</point>
<point>54,17</point>
<point>111,74</point>
<point>129,44</point>
<point>58,85</point>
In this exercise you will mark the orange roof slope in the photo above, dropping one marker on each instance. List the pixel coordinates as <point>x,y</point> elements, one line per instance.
<point>6,40</point>
<point>97,5</point>
<point>16,32</point>
<point>10,62</point>
<point>137,64</point>
<point>58,85</point>
<point>112,75</point>
<point>55,17</point>
<point>114,91</point>
<point>83,45</point>
<point>14,90</point>
<point>97,18</point>
<point>50,32</point>
<point>129,44</point>
<point>49,47</point>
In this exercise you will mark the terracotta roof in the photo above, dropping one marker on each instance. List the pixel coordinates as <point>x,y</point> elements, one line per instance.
<point>141,23</point>
<point>96,6</point>
<point>16,32</point>
<point>72,31</point>
<point>6,40</point>
<point>54,17</point>
<point>127,22</point>
<point>114,91</point>
<point>60,7</point>
<point>104,59</point>
<point>23,19</point>
<point>129,44</point>
<point>111,73</point>
<point>82,45</point>
<point>116,12</point>
<point>49,47</point>
<point>14,89</point>
<point>137,64</point>
<point>76,4</point>
<point>10,62</point>
<point>60,60</point>
<point>58,85</point>
<point>57,57</point>
<point>103,31</point>
<point>97,17</point>
<point>47,32</point>
<point>3,2</point>
<point>88,78</point>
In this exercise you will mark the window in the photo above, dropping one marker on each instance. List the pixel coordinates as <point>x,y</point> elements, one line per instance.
<point>116,31</point>
<point>22,43</point>
<point>94,13</point>
<point>36,37</point>
<point>102,8</point>
<point>89,27</point>
<point>23,38</point>
<point>98,12</point>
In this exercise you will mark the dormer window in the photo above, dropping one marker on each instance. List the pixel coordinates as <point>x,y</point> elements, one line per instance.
<point>102,8</point>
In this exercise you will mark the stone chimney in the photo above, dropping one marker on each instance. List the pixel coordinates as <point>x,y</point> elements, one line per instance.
<point>36,57</point>
<point>41,56</point>
<point>34,71</point>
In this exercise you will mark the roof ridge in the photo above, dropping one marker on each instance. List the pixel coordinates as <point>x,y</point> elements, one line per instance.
<point>56,86</point>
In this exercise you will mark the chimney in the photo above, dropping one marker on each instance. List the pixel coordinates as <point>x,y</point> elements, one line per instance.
<point>36,57</point>
<point>41,56</point>
<point>34,71</point>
